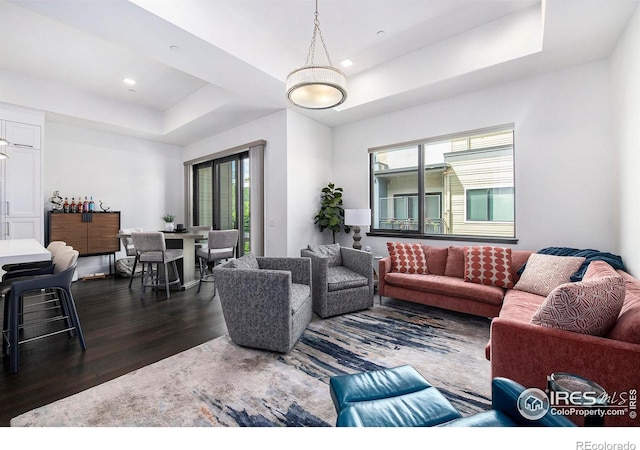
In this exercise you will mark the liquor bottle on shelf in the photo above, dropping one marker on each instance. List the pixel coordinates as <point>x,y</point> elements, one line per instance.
<point>85,205</point>
<point>79,207</point>
<point>65,206</point>
<point>92,205</point>
<point>73,208</point>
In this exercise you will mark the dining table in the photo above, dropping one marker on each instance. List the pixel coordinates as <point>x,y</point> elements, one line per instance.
<point>14,251</point>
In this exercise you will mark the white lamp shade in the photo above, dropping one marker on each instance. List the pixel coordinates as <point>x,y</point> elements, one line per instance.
<point>316,87</point>
<point>357,217</point>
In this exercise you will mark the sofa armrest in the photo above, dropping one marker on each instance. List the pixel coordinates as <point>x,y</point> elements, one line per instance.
<point>300,268</point>
<point>384,267</point>
<point>263,292</point>
<point>358,261</point>
<point>319,267</point>
<point>528,353</point>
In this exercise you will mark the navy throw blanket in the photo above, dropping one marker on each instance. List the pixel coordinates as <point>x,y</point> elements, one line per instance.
<point>614,261</point>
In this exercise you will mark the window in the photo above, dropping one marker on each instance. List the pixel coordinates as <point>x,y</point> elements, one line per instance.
<point>493,204</point>
<point>222,195</point>
<point>465,181</point>
<point>226,191</point>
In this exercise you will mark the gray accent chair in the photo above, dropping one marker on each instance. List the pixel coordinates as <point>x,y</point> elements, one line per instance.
<point>266,301</point>
<point>342,279</point>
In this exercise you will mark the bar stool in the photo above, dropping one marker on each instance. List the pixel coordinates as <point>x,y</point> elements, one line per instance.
<point>130,250</point>
<point>221,245</point>
<point>45,312</point>
<point>152,249</point>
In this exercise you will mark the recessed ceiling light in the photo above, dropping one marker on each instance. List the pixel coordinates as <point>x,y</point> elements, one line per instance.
<point>174,48</point>
<point>380,33</point>
<point>347,63</point>
<point>129,81</point>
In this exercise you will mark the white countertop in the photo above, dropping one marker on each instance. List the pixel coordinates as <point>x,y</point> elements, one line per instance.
<point>22,250</point>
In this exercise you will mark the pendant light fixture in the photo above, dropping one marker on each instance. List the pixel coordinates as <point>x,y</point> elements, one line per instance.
<point>315,86</point>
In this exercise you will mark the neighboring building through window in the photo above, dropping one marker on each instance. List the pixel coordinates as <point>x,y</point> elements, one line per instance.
<point>465,181</point>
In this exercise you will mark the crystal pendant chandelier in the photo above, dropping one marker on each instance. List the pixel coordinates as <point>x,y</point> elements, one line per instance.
<point>316,86</point>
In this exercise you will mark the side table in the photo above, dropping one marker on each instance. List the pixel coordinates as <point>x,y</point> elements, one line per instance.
<point>572,388</point>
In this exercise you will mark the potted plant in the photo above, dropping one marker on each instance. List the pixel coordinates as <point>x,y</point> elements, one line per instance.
<point>169,221</point>
<point>331,214</point>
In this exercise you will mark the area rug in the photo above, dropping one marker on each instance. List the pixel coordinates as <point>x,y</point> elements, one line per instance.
<point>221,384</point>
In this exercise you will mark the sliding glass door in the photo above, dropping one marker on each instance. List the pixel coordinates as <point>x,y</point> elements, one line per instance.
<point>221,196</point>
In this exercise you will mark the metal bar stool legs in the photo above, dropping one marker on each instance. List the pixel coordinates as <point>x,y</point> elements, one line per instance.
<point>152,278</point>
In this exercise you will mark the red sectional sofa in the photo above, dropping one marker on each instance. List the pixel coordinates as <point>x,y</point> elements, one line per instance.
<point>518,349</point>
<point>444,285</point>
<point>528,353</point>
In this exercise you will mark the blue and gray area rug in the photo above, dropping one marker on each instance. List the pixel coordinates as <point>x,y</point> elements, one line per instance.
<point>220,384</point>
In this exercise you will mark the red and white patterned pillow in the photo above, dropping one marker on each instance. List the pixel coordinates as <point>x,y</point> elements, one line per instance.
<point>407,258</point>
<point>587,307</point>
<point>488,265</point>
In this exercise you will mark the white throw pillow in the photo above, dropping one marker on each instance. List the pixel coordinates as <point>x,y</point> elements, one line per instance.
<point>544,273</point>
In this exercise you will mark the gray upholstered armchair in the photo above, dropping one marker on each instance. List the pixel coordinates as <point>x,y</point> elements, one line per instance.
<point>266,301</point>
<point>342,279</point>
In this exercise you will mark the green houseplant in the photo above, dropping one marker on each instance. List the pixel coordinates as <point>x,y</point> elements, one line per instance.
<point>169,220</point>
<point>331,213</point>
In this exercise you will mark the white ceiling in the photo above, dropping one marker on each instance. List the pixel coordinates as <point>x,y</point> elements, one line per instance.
<point>68,57</point>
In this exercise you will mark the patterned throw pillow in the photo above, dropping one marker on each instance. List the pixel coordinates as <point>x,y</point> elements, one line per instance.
<point>407,258</point>
<point>587,307</point>
<point>488,265</point>
<point>331,251</point>
<point>248,261</point>
<point>543,273</point>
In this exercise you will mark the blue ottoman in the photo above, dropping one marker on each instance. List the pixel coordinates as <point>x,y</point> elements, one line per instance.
<point>398,397</point>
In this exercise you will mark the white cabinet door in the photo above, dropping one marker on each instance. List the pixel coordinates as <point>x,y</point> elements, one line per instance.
<point>23,182</point>
<point>23,228</point>
<point>22,134</point>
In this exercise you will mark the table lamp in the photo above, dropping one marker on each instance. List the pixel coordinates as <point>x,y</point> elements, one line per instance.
<point>356,218</point>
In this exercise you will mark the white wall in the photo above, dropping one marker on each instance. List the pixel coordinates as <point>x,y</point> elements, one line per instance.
<point>564,157</point>
<point>140,178</point>
<point>309,161</point>
<point>273,130</point>
<point>625,68</point>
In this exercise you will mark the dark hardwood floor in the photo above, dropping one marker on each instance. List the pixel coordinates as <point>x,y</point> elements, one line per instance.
<point>123,333</point>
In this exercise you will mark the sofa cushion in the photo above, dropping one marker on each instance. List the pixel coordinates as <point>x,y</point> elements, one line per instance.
<point>436,259</point>
<point>247,261</point>
<point>488,265</point>
<point>588,307</point>
<point>455,262</point>
<point>443,285</point>
<point>339,278</point>
<point>520,305</point>
<point>331,251</point>
<point>407,258</point>
<point>544,273</point>
<point>518,259</point>
<point>627,327</point>
<point>599,269</point>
